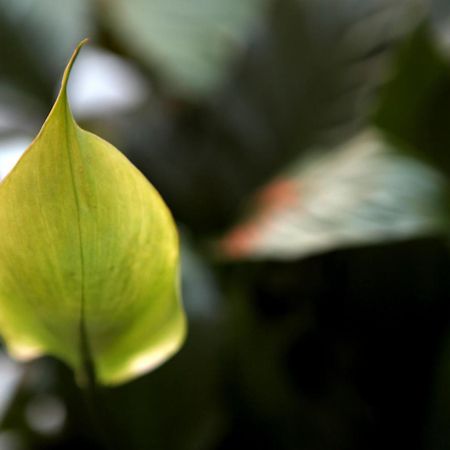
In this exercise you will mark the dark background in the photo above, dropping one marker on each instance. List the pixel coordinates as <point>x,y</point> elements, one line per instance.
<point>317,296</point>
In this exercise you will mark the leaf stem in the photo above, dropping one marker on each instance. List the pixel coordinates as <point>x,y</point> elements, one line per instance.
<point>94,398</point>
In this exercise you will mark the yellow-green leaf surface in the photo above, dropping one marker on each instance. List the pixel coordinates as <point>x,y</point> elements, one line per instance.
<point>88,253</point>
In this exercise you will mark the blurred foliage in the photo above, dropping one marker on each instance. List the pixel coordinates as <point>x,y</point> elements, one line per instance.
<point>415,103</point>
<point>234,108</point>
<point>190,44</point>
<point>362,192</point>
<point>279,101</point>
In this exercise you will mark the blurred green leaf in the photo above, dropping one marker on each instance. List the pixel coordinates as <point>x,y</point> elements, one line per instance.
<point>190,43</point>
<point>361,192</point>
<point>89,258</point>
<point>414,106</point>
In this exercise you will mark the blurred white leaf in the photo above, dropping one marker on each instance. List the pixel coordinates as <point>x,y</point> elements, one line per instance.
<point>11,149</point>
<point>10,440</point>
<point>46,414</point>
<point>8,119</point>
<point>103,83</point>
<point>201,293</point>
<point>11,373</point>
<point>360,193</point>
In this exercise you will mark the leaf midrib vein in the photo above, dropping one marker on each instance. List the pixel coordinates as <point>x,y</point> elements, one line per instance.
<point>86,357</point>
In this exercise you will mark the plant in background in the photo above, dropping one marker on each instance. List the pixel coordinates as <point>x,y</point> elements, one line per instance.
<point>309,139</point>
<point>89,258</point>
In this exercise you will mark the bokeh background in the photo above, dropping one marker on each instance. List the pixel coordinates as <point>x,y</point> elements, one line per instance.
<point>303,147</point>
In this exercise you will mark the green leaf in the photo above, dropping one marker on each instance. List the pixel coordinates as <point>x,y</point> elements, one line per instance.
<point>88,257</point>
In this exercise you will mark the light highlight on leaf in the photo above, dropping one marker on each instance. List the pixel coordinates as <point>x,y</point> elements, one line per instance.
<point>88,250</point>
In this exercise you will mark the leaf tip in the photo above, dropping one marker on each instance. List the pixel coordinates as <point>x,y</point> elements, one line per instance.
<point>70,64</point>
